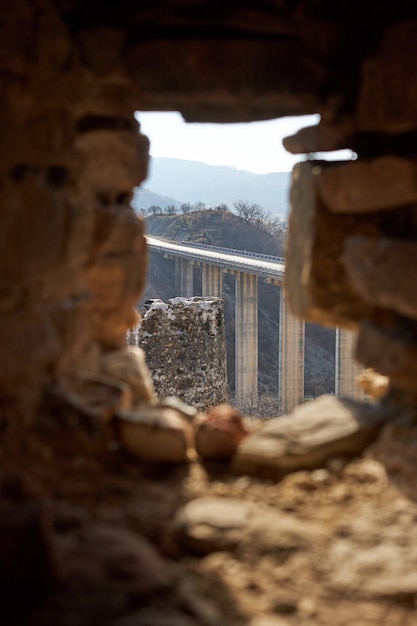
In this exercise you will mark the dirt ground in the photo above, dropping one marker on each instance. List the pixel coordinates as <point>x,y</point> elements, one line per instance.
<point>117,543</point>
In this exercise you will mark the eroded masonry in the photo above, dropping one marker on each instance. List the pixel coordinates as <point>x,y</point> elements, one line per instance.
<point>185,348</point>
<point>73,255</point>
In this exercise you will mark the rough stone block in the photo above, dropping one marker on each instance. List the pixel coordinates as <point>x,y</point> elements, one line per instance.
<point>253,72</point>
<point>118,230</point>
<point>42,139</point>
<point>218,433</point>
<point>382,270</point>
<point>156,434</point>
<point>117,275</point>
<point>111,163</point>
<point>29,344</point>
<point>313,433</point>
<point>391,352</point>
<point>102,49</point>
<point>78,350</point>
<point>43,250</point>
<point>110,325</point>
<point>364,186</point>
<point>318,288</point>
<point>387,100</point>
<point>323,137</point>
<point>97,396</point>
<point>116,280</point>
<point>112,97</point>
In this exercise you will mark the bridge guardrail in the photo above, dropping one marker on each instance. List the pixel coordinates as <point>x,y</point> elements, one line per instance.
<point>253,255</point>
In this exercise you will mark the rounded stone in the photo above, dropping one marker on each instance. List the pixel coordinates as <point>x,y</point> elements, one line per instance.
<point>156,434</point>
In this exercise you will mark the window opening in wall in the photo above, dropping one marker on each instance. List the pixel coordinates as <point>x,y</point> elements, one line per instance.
<point>202,176</point>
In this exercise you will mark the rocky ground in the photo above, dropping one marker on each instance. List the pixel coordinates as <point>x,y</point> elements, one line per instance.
<point>120,542</point>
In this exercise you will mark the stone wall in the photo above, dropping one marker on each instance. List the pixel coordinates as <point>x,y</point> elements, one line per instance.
<point>185,349</point>
<point>353,225</point>
<point>73,263</point>
<point>72,252</point>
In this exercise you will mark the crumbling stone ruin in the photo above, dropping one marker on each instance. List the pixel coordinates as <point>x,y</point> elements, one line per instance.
<point>77,405</point>
<point>185,347</point>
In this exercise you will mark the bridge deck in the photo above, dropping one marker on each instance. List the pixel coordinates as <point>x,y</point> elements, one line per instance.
<point>260,265</point>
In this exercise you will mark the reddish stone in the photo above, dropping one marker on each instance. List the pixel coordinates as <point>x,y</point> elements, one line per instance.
<point>218,433</point>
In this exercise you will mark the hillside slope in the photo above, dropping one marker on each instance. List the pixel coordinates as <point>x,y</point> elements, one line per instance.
<point>215,228</point>
<point>226,229</point>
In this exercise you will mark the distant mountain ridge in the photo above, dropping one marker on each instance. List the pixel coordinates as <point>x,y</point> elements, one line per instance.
<point>193,181</point>
<point>144,198</point>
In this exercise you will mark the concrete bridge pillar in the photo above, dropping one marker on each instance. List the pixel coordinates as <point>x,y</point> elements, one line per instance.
<point>246,348</point>
<point>184,284</point>
<point>291,357</point>
<point>346,368</point>
<point>212,281</point>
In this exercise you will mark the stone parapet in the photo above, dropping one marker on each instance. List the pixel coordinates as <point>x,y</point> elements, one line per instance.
<point>185,348</point>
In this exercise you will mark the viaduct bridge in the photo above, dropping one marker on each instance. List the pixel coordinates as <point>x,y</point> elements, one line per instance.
<point>248,268</point>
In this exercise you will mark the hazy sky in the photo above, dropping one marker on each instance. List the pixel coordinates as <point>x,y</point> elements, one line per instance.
<point>256,147</point>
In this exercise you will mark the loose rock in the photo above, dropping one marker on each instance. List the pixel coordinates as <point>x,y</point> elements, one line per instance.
<point>382,568</point>
<point>218,433</point>
<point>156,434</point>
<point>211,524</point>
<point>308,437</point>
